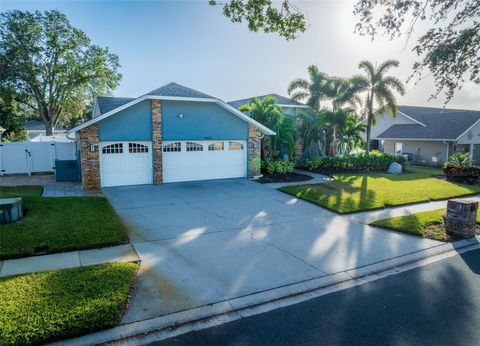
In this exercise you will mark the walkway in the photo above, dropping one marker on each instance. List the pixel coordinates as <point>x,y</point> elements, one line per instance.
<point>317,179</point>
<point>51,187</point>
<point>63,260</point>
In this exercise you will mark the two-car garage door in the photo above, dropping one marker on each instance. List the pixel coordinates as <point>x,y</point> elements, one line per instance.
<point>130,163</point>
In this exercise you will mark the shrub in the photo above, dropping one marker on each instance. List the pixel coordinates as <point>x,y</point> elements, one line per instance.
<point>375,161</point>
<point>461,168</point>
<point>278,167</point>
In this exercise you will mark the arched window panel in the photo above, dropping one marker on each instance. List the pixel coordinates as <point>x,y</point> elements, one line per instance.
<point>192,146</point>
<point>217,146</point>
<point>172,147</point>
<point>235,146</point>
<point>137,148</point>
<point>116,148</point>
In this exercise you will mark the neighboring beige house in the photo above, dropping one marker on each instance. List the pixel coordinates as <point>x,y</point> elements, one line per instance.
<point>429,135</point>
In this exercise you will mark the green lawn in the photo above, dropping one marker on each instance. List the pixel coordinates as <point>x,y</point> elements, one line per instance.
<point>354,192</point>
<point>429,224</point>
<point>58,224</point>
<point>41,307</point>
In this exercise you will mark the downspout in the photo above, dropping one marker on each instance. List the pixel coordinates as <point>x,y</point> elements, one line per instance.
<point>448,150</point>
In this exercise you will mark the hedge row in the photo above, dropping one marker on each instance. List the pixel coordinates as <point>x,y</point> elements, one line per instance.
<point>375,161</point>
<point>469,175</point>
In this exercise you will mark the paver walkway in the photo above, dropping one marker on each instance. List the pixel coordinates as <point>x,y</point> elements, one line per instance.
<point>72,259</point>
<point>317,179</point>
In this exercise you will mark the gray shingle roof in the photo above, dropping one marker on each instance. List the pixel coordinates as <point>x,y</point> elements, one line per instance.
<point>281,100</point>
<point>177,90</point>
<point>440,123</point>
<point>107,103</point>
<point>37,125</point>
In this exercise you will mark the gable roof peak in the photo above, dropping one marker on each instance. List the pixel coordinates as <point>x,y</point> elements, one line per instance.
<point>176,90</point>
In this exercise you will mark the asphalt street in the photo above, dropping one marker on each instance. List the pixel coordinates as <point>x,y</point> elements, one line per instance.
<point>438,304</point>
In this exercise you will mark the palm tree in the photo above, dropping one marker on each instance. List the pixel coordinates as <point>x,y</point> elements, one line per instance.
<point>313,90</point>
<point>352,134</point>
<point>268,113</point>
<point>312,131</point>
<point>380,91</point>
<point>285,137</point>
<point>334,121</point>
<point>342,92</point>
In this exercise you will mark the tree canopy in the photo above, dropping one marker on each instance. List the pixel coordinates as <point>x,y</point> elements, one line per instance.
<point>51,66</point>
<point>449,51</point>
<point>286,20</point>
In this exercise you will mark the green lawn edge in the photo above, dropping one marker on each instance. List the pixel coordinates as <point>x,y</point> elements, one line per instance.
<point>59,224</point>
<point>43,307</point>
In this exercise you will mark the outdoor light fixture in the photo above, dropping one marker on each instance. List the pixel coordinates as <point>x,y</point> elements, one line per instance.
<point>93,147</point>
<point>180,115</point>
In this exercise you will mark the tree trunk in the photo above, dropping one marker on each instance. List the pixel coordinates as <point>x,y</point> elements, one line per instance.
<point>49,128</point>
<point>369,130</point>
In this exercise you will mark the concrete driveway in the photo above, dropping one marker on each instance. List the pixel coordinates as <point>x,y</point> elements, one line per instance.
<point>206,242</point>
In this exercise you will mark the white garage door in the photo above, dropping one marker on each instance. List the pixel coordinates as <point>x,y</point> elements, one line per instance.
<point>125,163</point>
<point>203,160</point>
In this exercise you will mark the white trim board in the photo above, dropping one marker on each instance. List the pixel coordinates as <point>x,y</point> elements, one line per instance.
<point>265,130</point>
<point>411,118</point>
<point>417,139</point>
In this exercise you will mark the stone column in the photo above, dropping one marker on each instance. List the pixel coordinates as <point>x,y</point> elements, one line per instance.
<point>254,151</point>
<point>89,157</point>
<point>157,142</point>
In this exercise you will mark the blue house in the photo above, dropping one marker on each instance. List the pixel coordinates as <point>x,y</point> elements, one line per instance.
<point>170,134</point>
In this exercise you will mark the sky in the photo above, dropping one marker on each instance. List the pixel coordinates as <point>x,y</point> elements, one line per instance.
<point>193,44</point>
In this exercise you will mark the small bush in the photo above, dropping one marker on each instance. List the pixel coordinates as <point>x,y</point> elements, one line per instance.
<point>375,161</point>
<point>278,167</point>
<point>461,168</point>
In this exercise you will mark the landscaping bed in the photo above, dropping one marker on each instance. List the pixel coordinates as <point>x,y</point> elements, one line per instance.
<point>349,193</point>
<point>429,224</point>
<point>41,307</point>
<point>283,178</point>
<point>56,224</point>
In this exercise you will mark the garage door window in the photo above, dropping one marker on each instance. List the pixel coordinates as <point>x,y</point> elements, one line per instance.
<point>235,146</point>
<point>192,146</point>
<point>176,146</point>
<point>116,148</point>
<point>137,148</point>
<point>217,146</point>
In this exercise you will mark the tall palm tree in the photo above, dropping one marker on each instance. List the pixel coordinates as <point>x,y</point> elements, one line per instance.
<point>379,91</point>
<point>334,121</point>
<point>343,92</point>
<point>313,90</point>
<point>285,137</point>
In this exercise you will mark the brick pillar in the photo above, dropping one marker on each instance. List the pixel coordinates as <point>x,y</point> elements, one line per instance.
<point>157,142</point>
<point>254,151</point>
<point>90,159</point>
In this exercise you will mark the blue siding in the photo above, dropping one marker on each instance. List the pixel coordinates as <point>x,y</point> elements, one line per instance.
<point>201,121</point>
<point>133,123</point>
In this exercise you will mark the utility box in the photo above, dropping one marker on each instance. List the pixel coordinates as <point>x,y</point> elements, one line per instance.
<point>11,210</point>
<point>461,220</point>
<point>67,170</point>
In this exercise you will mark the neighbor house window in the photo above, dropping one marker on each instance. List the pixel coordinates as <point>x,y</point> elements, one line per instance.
<point>192,146</point>
<point>137,148</point>
<point>176,146</point>
<point>215,146</point>
<point>235,146</point>
<point>116,148</point>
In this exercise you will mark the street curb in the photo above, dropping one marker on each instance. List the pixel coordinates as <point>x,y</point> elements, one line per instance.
<point>160,328</point>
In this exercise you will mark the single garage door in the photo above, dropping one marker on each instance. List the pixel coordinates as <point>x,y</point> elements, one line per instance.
<point>125,163</point>
<point>203,160</point>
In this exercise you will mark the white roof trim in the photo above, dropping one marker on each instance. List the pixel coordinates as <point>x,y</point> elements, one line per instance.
<point>417,139</point>
<point>291,106</point>
<point>236,112</point>
<point>471,127</point>
<point>413,119</point>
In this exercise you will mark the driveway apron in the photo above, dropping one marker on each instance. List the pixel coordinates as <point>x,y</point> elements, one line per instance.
<point>210,241</point>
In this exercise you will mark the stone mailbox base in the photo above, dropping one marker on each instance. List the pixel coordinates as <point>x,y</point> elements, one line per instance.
<point>461,220</point>
<point>10,210</point>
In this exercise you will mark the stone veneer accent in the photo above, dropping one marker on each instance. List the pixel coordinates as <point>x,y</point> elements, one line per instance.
<point>90,159</point>
<point>157,142</point>
<point>254,151</point>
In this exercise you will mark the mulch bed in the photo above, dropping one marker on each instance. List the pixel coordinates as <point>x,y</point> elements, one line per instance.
<point>283,178</point>
<point>439,229</point>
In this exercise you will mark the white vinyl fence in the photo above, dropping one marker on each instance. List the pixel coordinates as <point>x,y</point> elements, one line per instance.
<point>32,157</point>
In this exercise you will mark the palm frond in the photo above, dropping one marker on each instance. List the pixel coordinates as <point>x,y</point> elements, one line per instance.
<point>387,65</point>
<point>368,67</point>
<point>298,83</point>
